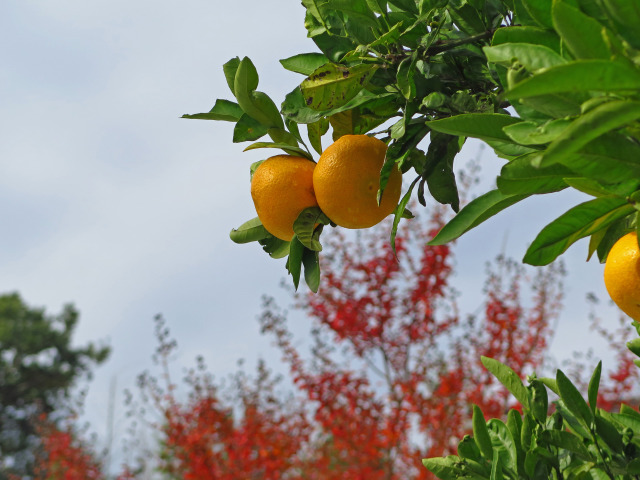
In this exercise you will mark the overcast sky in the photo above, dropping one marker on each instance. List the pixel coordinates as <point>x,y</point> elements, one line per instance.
<point>109,200</point>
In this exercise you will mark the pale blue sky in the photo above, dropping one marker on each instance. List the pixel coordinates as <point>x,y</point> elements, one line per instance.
<point>114,203</point>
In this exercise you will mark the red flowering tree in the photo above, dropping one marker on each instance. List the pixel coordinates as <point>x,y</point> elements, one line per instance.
<point>389,374</point>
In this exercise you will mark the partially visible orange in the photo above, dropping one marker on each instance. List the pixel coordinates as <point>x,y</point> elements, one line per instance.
<point>281,187</point>
<point>347,178</point>
<point>622,275</point>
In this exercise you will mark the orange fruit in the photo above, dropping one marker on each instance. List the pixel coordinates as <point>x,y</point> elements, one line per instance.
<point>622,275</point>
<point>281,187</point>
<point>346,181</point>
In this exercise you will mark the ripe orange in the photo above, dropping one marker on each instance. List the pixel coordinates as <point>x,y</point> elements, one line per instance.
<point>622,275</point>
<point>347,178</point>
<point>281,187</point>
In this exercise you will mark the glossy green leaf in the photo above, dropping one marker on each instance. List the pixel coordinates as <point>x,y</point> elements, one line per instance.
<point>569,442</point>
<point>305,227</point>
<point>398,213</point>
<point>551,384</point>
<point>248,129</point>
<point>532,57</point>
<point>581,33</point>
<point>539,400</point>
<point>255,104</point>
<point>508,378</point>
<point>579,222</point>
<point>294,263</point>
<point>496,469</point>
<point>590,126</point>
<point>468,449</point>
<point>611,158</point>
<point>474,213</point>
<point>296,151</point>
<point>275,247</point>
<point>315,131</point>
<point>612,233</point>
<point>626,15</point>
<point>515,425</point>
<point>485,126</point>
<point>573,400</point>
<point>608,432</point>
<point>481,434</point>
<point>222,110</point>
<point>311,263</point>
<point>527,34</point>
<point>540,11</point>
<point>520,177</point>
<point>230,69</point>
<point>531,133</point>
<point>578,76</point>
<point>467,19</point>
<point>629,421</point>
<point>503,444</point>
<point>441,179</point>
<point>333,85</point>
<point>304,63</point>
<point>250,231</point>
<point>445,468</point>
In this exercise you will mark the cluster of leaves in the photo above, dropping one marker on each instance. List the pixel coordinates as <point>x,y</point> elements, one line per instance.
<point>378,60</point>
<point>449,70</point>
<point>571,71</point>
<point>575,439</point>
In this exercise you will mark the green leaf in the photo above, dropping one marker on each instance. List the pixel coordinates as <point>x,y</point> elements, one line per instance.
<point>481,433</point>
<point>248,129</point>
<point>294,263</point>
<point>568,441</point>
<point>540,11</point>
<point>612,233</point>
<point>573,400</point>
<point>485,126</point>
<point>539,400</point>
<point>590,126</point>
<point>532,57</point>
<point>250,231</point>
<point>611,158</point>
<point>531,133</point>
<point>581,33</point>
<point>304,63</point>
<point>311,262</point>
<point>503,444</point>
<point>508,378</point>
<point>441,178</point>
<point>222,110</point>
<point>515,425</point>
<point>333,85</point>
<point>295,151</point>
<point>628,421</point>
<point>305,227</point>
<point>551,384</point>
<point>230,68</point>
<point>467,19</point>
<point>626,15</point>
<point>578,76</point>
<point>579,222</point>
<point>519,177</point>
<point>594,385</point>
<point>474,213</point>
<point>399,212</point>
<point>445,468</point>
<point>255,104</point>
<point>404,77</point>
<point>275,247</point>
<point>468,449</point>
<point>315,131</point>
<point>609,433</point>
<point>496,469</point>
<point>524,34</point>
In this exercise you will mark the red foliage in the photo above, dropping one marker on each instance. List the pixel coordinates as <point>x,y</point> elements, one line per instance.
<point>400,320</point>
<point>392,373</point>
